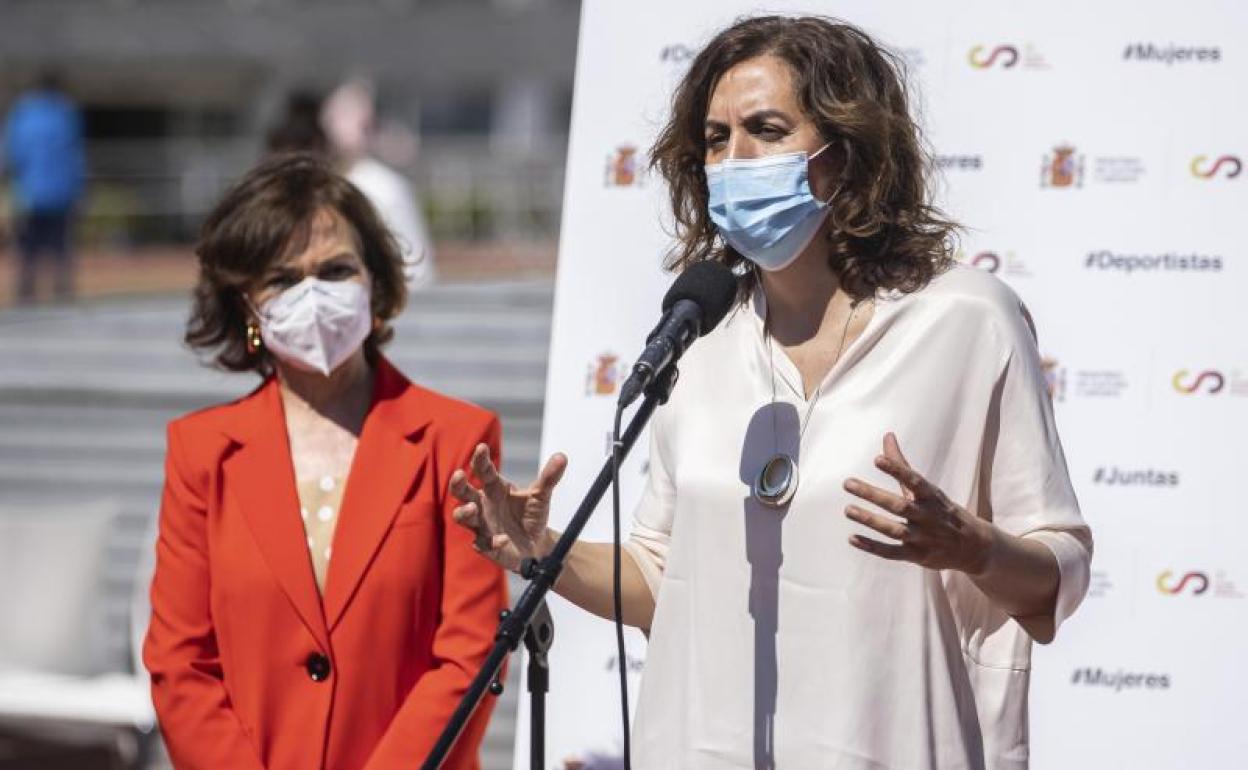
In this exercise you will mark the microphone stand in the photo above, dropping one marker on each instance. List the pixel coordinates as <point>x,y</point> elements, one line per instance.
<point>542,575</point>
<point>538,638</point>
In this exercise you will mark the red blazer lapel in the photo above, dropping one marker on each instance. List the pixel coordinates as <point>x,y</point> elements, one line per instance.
<point>388,459</point>
<point>260,476</point>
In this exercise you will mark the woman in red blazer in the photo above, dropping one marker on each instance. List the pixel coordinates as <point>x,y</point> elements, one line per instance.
<point>312,607</point>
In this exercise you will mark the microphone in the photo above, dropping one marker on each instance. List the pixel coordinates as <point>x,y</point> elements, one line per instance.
<point>695,304</point>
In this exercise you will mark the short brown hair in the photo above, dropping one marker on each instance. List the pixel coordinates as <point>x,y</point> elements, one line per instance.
<point>265,216</point>
<point>888,235</point>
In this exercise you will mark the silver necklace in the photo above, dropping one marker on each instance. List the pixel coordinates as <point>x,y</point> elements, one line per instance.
<point>776,482</point>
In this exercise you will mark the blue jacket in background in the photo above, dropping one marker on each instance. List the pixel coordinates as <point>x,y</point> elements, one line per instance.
<point>43,152</point>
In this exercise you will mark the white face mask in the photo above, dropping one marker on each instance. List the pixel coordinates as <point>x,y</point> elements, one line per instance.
<point>316,325</point>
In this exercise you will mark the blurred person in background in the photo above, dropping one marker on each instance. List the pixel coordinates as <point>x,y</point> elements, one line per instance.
<point>44,156</point>
<point>312,604</point>
<point>298,128</point>
<point>341,128</point>
<point>348,118</point>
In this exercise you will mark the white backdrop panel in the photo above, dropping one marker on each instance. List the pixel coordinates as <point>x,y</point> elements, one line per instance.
<point>1135,275</point>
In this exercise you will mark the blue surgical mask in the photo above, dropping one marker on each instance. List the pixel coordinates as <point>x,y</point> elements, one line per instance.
<point>764,208</point>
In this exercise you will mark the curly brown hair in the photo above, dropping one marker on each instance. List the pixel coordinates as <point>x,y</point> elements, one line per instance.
<point>267,215</point>
<point>885,233</point>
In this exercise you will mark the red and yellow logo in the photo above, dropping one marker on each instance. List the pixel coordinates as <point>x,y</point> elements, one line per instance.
<point>603,375</point>
<point>1224,166</point>
<point>1001,56</point>
<point>1198,581</point>
<point>987,261</point>
<point>1209,380</point>
<point>1054,378</point>
<point>1063,168</point>
<point>623,168</point>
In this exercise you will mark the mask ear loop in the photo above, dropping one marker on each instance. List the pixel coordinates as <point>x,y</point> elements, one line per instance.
<point>250,306</point>
<point>839,187</point>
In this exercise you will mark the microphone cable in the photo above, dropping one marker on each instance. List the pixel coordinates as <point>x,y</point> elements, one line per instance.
<point>617,594</point>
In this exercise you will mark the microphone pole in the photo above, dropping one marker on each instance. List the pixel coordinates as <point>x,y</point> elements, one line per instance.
<point>542,576</point>
<point>537,641</point>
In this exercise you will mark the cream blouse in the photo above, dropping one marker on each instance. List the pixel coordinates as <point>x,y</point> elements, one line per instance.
<point>777,644</point>
<point>320,500</point>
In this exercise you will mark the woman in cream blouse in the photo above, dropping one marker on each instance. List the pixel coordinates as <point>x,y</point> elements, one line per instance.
<point>858,514</point>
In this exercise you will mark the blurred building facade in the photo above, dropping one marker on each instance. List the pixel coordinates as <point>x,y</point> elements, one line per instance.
<point>474,99</point>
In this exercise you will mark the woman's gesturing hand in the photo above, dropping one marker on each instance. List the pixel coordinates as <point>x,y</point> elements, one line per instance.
<point>509,523</point>
<point>930,529</point>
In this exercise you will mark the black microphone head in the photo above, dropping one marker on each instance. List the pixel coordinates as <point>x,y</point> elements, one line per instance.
<point>709,285</point>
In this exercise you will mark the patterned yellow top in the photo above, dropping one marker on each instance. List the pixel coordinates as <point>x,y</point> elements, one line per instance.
<point>320,499</point>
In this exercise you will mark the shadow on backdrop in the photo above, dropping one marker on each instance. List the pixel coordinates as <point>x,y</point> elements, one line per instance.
<point>773,428</point>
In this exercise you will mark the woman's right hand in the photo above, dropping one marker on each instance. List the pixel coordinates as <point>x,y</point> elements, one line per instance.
<point>509,523</point>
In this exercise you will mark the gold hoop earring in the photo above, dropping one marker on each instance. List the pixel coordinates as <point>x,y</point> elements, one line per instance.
<point>254,341</point>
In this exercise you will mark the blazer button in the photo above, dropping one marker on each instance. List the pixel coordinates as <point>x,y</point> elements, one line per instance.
<point>317,666</point>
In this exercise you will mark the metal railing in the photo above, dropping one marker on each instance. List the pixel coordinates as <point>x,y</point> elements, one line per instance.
<point>145,191</point>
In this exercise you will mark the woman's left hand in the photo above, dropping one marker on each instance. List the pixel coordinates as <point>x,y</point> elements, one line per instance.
<point>933,531</point>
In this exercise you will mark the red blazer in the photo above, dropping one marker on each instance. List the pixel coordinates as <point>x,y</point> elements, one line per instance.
<point>251,667</point>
